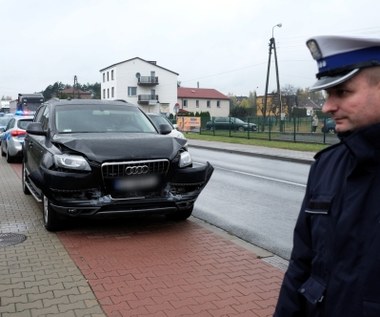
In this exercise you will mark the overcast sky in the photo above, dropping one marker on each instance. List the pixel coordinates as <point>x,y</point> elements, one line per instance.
<point>217,43</point>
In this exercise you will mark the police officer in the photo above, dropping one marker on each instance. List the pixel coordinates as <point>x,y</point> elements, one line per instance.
<point>334,268</point>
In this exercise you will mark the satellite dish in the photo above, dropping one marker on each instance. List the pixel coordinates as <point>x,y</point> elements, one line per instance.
<point>138,75</point>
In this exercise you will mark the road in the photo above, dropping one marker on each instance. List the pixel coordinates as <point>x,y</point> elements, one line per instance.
<point>254,198</point>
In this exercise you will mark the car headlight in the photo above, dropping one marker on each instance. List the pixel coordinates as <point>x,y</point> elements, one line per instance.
<point>74,162</point>
<point>185,159</point>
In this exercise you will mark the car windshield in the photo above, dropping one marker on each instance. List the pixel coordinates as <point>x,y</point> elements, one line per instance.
<point>101,118</point>
<point>4,121</point>
<point>237,120</point>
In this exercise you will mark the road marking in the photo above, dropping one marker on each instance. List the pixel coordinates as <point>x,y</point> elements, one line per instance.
<point>262,177</point>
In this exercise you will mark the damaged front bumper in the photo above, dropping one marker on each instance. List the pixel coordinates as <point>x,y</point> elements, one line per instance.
<point>78,194</point>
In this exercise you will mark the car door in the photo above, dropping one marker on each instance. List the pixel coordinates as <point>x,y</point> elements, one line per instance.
<point>222,123</point>
<point>7,135</point>
<point>34,147</point>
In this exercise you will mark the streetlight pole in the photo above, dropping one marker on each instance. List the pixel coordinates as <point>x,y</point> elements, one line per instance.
<point>272,46</point>
<point>75,84</point>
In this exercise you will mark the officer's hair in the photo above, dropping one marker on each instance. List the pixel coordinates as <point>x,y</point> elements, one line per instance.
<point>373,75</point>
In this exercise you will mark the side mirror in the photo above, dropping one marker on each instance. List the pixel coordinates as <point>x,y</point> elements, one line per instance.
<point>165,128</point>
<point>35,128</point>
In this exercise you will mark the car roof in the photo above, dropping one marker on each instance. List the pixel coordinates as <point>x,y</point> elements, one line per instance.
<point>155,114</point>
<point>23,117</point>
<point>55,102</point>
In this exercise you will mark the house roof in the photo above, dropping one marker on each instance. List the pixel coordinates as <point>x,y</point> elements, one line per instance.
<point>131,59</point>
<point>200,93</point>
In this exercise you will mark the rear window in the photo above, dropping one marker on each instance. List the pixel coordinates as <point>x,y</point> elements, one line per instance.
<point>23,124</point>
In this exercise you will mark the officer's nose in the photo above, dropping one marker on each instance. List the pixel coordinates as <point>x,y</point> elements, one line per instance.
<point>330,105</point>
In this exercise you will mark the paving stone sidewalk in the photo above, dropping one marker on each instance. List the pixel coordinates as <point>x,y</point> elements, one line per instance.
<point>132,268</point>
<point>37,276</point>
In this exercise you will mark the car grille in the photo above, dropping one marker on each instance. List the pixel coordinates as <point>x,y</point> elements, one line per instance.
<point>123,169</point>
<point>116,173</point>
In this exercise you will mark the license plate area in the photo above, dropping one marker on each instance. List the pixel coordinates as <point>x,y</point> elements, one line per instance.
<point>136,183</point>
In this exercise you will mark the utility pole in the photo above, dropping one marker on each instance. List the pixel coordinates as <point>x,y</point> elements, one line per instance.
<point>272,46</point>
<point>75,84</point>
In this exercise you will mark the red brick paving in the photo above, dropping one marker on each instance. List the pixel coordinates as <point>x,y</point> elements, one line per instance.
<point>172,269</point>
<point>158,268</point>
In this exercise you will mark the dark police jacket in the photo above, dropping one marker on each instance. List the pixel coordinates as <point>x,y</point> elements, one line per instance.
<point>334,268</point>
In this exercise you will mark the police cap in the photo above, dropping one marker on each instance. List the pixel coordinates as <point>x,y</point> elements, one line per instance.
<point>339,58</point>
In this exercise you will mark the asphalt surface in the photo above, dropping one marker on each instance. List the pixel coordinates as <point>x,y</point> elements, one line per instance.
<point>131,267</point>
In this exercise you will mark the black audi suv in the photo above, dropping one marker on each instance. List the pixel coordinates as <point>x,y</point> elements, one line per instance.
<point>85,158</point>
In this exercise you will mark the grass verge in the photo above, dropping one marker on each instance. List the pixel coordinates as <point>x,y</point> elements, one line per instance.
<point>297,146</point>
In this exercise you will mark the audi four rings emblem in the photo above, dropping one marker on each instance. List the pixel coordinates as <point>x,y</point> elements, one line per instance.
<point>137,170</point>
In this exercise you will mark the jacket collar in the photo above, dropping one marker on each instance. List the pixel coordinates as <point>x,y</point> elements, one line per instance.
<point>364,143</point>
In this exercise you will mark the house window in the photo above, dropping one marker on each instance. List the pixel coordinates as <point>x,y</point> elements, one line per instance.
<point>197,103</point>
<point>104,93</point>
<point>208,104</point>
<point>185,103</point>
<point>113,92</point>
<point>108,76</point>
<point>104,77</point>
<point>108,93</point>
<point>112,75</point>
<point>132,91</point>
<point>218,104</point>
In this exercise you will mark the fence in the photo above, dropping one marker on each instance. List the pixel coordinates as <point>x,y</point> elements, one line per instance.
<point>298,129</point>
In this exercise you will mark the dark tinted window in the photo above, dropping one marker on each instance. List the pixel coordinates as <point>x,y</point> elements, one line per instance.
<point>101,118</point>
<point>23,124</point>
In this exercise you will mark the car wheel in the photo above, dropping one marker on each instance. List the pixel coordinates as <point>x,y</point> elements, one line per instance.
<point>25,189</point>
<point>331,131</point>
<point>52,221</point>
<point>182,214</point>
<point>241,129</point>
<point>9,157</point>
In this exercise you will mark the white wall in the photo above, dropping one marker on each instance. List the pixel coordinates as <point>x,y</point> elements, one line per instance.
<point>125,76</point>
<point>222,111</point>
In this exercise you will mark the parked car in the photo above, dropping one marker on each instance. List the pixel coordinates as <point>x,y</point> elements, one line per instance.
<point>328,126</point>
<point>85,158</point>
<point>159,119</point>
<point>13,137</point>
<point>3,124</point>
<point>230,123</point>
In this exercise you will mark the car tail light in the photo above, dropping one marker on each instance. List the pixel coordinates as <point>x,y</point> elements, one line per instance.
<point>18,132</point>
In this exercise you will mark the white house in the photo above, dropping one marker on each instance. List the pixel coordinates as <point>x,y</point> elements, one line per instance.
<point>203,100</point>
<point>140,82</point>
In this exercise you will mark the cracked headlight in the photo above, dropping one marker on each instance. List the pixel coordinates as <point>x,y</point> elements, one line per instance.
<point>74,162</point>
<point>185,159</point>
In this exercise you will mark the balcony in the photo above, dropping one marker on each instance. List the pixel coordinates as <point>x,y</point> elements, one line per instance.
<point>147,80</point>
<point>147,99</point>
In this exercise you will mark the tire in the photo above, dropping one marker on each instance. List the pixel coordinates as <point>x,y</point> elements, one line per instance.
<point>181,215</point>
<point>10,159</point>
<point>25,189</point>
<point>52,221</point>
<point>241,129</point>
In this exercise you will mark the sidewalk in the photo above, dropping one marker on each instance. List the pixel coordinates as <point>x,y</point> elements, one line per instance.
<point>129,267</point>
